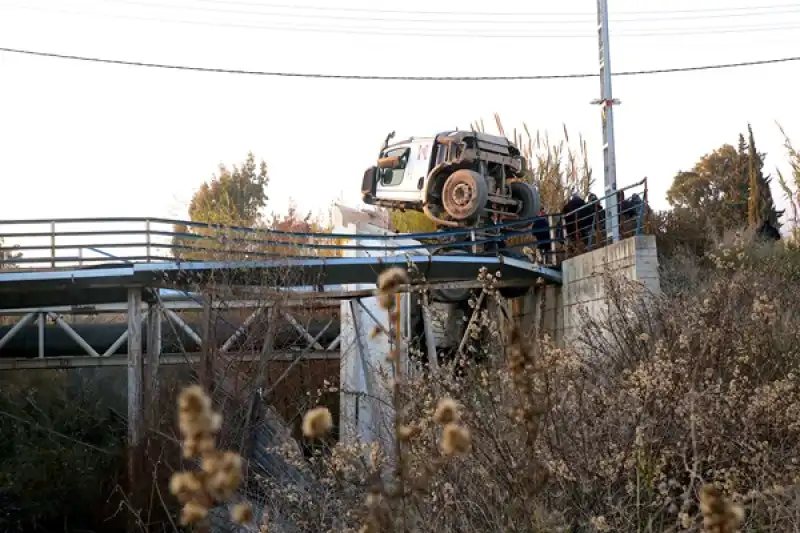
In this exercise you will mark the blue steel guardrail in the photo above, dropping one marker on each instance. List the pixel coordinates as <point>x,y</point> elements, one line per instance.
<point>149,236</point>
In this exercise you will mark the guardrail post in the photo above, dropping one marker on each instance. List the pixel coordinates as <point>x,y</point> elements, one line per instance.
<point>53,244</point>
<point>147,236</point>
<point>553,221</point>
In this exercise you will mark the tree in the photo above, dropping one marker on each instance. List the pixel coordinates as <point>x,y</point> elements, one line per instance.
<point>725,190</point>
<point>761,206</point>
<point>292,222</point>
<point>232,198</point>
<point>711,193</point>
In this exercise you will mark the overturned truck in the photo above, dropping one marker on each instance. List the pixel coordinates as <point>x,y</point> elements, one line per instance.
<point>459,179</point>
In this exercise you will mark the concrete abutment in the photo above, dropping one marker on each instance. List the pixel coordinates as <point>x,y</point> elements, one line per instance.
<point>556,310</point>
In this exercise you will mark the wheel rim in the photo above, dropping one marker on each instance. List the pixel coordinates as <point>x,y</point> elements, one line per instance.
<point>461,195</point>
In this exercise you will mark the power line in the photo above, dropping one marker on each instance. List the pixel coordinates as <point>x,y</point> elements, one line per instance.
<point>485,13</point>
<point>396,78</point>
<point>423,32</point>
<point>517,19</point>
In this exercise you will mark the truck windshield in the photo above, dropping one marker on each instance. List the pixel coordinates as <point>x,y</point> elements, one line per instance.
<point>394,176</point>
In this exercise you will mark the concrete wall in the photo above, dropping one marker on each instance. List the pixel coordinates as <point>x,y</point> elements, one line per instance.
<point>365,417</point>
<point>541,312</point>
<point>583,285</point>
<point>557,310</point>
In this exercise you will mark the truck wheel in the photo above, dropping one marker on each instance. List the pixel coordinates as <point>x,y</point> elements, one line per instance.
<point>464,195</point>
<point>528,197</point>
<point>450,295</point>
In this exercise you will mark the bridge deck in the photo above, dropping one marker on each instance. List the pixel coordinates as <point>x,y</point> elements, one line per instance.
<point>109,284</point>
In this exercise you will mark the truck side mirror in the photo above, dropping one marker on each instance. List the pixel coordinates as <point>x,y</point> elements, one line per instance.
<point>369,183</point>
<point>388,162</point>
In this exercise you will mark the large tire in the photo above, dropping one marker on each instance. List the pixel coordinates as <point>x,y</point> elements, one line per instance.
<point>464,195</point>
<point>450,296</point>
<point>528,196</point>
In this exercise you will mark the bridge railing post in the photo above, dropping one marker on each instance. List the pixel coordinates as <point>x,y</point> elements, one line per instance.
<point>52,243</point>
<point>147,237</point>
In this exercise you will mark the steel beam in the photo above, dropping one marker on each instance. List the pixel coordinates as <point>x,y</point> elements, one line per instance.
<point>24,321</point>
<point>171,359</point>
<point>74,334</point>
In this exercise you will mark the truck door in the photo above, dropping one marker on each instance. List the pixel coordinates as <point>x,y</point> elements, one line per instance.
<point>419,166</point>
<point>402,183</point>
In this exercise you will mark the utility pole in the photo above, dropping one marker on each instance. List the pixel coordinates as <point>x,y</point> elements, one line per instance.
<point>607,102</point>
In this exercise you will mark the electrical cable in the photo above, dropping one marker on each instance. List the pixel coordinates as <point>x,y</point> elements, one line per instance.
<point>336,17</point>
<point>397,78</point>
<point>484,13</point>
<point>421,32</point>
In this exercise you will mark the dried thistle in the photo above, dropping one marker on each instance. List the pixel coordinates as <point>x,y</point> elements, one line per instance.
<point>446,411</point>
<point>221,471</point>
<point>719,514</point>
<point>317,423</point>
<point>389,283</point>
<point>455,439</point>
<point>242,513</point>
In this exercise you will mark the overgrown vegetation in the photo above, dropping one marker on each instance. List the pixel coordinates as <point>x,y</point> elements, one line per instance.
<point>672,413</point>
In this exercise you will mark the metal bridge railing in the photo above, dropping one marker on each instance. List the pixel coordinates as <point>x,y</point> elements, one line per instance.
<point>73,242</point>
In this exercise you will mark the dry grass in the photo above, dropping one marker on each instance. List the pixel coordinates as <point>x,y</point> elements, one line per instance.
<point>558,169</point>
<point>790,185</point>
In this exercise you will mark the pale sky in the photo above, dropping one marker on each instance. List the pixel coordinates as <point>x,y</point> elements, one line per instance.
<point>88,139</point>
